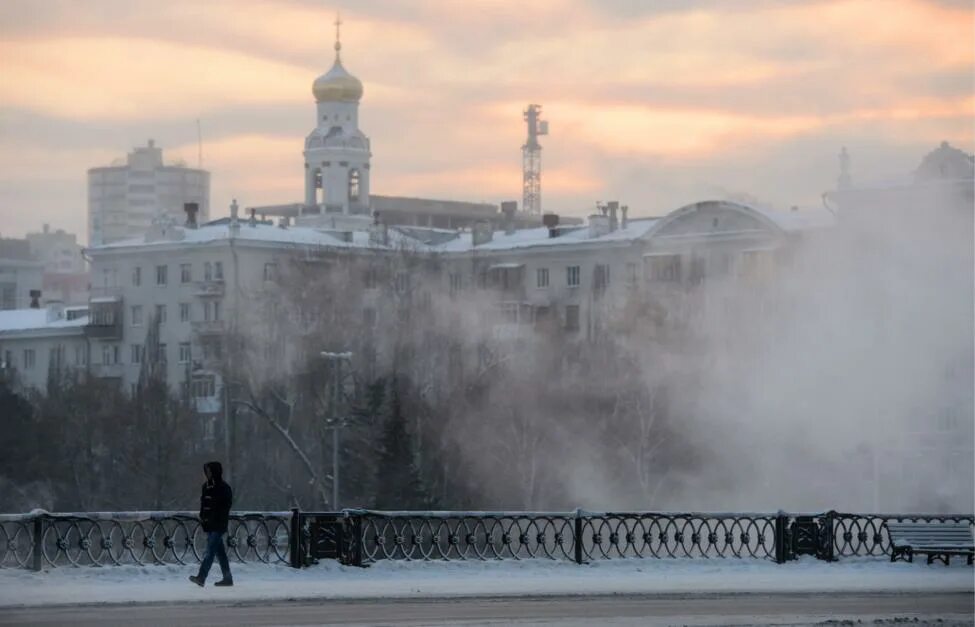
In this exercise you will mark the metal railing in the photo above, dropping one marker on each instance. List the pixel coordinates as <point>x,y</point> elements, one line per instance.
<point>358,537</point>
<point>577,536</point>
<point>41,539</point>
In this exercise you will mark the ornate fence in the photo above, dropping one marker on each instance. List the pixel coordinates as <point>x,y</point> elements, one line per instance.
<point>359,537</point>
<point>41,539</point>
<point>579,536</point>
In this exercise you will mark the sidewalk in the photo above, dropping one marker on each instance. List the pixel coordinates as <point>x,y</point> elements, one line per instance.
<point>164,584</point>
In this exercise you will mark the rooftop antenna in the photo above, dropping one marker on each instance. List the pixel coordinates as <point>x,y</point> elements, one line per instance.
<point>531,161</point>
<point>199,145</point>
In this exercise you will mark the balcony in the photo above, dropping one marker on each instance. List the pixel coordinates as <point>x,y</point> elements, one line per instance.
<point>208,327</point>
<point>105,318</point>
<point>209,288</point>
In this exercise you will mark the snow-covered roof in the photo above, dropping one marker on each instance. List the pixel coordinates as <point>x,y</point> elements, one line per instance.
<point>797,219</point>
<point>437,240</point>
<point>19,320</point>
<point>539,238</point>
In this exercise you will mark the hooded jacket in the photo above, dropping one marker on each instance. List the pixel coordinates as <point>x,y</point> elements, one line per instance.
<point>215,500</point>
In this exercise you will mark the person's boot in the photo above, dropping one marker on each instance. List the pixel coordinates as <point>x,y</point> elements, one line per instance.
<point>225,582</point>
<point>196,579</point>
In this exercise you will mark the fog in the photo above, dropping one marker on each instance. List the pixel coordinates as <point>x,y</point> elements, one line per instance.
<point>843,379</point>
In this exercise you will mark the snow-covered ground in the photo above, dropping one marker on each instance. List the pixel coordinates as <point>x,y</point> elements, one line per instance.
<point>153,584</point>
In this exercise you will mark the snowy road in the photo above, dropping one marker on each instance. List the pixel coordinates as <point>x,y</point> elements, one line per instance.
<point>714,609</point>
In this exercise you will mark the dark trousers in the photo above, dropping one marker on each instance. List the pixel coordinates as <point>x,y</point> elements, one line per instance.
<point>215,548</point>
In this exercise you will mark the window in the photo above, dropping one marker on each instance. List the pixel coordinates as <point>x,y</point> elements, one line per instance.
<point>698,270</point>
<point>184,352</point>
<point>630,273</point>
<point>353,184</point>
<point>270,271</point>
<point>184,312</point>
<point>29,359</point>
<point>372,278</point>
<point>572,276</point>
<point>137,315</point>
<point>369,317</point>
<point>138,353</point>
<point>572,317</point>
<point>665,268</point>
<point>600,276</point>
<point>109,354</point>
<point>207,271</point>
<point>218,271</point>
<point>161,275</point>
<point>542,313</point>
<point>402,282</point>
<point>8,359</point>
<point>136,276</point>
<point>161,314</point>
<point>204,386</point>
<point>211,311</point>
<point>55,356</point>
<point>80,355</point>
<point>456,283</point>
<point>541,277</point>
<point>162,355</point>
<point>185,273</point>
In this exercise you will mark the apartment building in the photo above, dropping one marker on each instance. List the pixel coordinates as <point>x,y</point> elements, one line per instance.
<point>123,199</point>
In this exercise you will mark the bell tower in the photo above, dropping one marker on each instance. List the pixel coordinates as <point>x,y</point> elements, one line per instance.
<point>336,152</point>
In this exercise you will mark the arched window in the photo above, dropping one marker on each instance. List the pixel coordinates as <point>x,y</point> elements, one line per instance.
<point>353,184</point>
<point>319,188</point>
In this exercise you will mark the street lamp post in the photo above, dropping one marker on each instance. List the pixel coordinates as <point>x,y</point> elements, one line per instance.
<point>335,421</point>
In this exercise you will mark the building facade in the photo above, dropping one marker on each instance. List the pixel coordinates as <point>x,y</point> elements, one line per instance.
<point>65,270</point>
<point>35,342</point>
<point>124,199</point>
<point>21,275</point>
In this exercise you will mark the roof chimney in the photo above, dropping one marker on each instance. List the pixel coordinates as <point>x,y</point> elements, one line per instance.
<point>508,208</point>
<point>35,299</point>
<point>551,222</point>
<point>234,219</point>
<point>613,209</point>
<point>623,211</point>
<point>191,209</point>
<point>253,219</point>
<point>598,225</point>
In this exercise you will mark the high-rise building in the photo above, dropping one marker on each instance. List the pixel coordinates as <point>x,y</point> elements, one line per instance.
<point>20,274</point>
<point>124,199</point>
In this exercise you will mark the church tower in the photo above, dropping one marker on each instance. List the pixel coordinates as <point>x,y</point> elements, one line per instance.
<point>336,151</point>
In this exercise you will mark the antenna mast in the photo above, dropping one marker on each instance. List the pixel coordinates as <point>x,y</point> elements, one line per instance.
<point>531,161</point>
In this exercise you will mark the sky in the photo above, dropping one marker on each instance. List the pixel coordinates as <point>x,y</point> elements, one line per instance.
<point>655,104</point>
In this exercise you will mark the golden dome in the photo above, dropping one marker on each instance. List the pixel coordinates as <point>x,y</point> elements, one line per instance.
<point>337,85</point>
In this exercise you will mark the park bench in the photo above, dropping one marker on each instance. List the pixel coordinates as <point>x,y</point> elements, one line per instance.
<point>937,540</point>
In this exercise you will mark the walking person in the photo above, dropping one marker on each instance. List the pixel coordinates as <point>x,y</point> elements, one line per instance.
<point>215,502</point>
